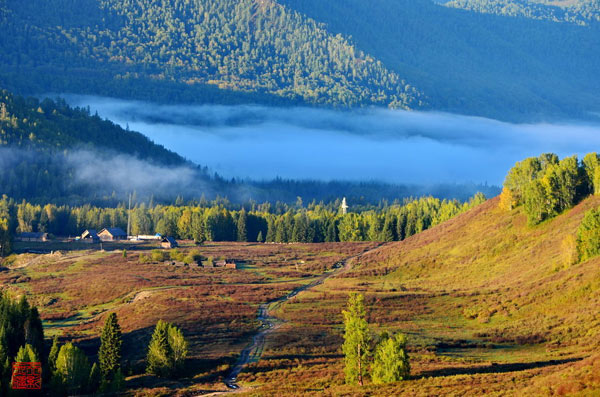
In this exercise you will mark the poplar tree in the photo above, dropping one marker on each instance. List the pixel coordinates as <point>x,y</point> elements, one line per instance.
<point>72,370</point>
<point>27,354</point>
<point>109,354</point>
<point>391,360</point>
<point>53,354</point>
<point>160,354</point>
<point>357,340</point>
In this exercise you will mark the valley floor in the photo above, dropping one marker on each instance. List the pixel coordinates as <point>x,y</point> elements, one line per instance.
<point>489,306</point>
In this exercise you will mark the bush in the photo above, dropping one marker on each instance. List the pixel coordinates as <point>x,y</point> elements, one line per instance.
<point>157,256</point>
<point>175,255</point>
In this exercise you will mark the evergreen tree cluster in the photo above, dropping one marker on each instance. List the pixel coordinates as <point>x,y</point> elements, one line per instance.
<point>386,361</point>
<point>54,126</point>
<point>66,369</point>
<point>21,336</point>
<point>546,186</point>
<point>463,62</point>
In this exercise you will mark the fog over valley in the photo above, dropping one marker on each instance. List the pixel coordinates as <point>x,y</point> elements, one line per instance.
<point>367,144</point>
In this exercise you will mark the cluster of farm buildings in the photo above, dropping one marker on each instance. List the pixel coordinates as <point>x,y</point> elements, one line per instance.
<point>106,234</point>
<point>115,234</point>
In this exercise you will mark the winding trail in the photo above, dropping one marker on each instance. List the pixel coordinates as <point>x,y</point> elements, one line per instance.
<point>269,323</point>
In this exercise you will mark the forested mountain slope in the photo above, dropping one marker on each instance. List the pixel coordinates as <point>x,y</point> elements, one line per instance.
<point>198,47</point>
<point>401,53</point>
<point>581,12</point>
<point>465,62</point>
<point>52,125</point>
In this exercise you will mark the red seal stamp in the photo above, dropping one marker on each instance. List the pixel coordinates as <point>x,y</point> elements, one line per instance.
<point>27,376</point>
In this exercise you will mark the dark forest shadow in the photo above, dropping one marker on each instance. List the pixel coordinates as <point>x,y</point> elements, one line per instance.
<point>494,368</point>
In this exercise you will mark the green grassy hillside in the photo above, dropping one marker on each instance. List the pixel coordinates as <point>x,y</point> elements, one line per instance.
<point>487,302</point>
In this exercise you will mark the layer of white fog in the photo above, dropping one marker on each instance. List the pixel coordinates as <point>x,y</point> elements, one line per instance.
<point>369,144</point>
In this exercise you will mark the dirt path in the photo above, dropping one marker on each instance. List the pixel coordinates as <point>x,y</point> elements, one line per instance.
<point>269,323</point>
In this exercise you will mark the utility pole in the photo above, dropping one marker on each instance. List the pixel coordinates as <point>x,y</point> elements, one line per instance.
<point>129,218</point>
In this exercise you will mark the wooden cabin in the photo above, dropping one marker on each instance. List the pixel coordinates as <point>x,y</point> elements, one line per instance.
<point>112,234</point>
<point>168,243</point>
<point>90,236</point>
<point>28,236</point>
<point>226,263</point>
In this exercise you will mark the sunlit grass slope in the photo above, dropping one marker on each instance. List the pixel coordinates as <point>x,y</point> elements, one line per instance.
<point>489,305</point>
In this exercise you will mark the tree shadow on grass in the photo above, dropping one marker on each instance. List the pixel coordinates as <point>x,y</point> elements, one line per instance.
<point>494,368</point>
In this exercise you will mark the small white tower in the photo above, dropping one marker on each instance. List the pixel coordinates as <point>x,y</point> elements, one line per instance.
<point>344,206</point>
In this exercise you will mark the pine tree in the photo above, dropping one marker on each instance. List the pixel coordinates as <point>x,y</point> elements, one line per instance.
<point>259,238</point>
<point>242,230</point>
<point>109,354</point>
<point>330,235</point>
<point>95,379</point>
<point>34,331</point>
<point>389,227</point>
<point>53,354</point>
<point>356,340</point>
<point>391,360</point>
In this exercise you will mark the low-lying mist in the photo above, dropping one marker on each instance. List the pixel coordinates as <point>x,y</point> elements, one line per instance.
<point>368,144</point>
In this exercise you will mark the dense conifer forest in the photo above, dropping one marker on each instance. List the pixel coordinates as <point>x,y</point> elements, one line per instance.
<point>581,12</point>
<point>419,54</point>
<point>514,69</point>
<point>256,46</point>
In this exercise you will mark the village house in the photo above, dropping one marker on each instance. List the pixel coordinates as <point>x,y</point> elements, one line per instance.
<point>226,263</point>
<point>112,234</point>
<point>28,236</point>
<point>90,236</point>
<point>168,243</point>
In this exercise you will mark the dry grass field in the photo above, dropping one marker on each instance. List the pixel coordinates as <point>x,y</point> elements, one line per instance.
<point>216,308</point>
<point>489,305</point>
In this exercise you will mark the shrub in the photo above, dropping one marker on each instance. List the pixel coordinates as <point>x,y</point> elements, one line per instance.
<point>157,256</point>
<point>175,255</point>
